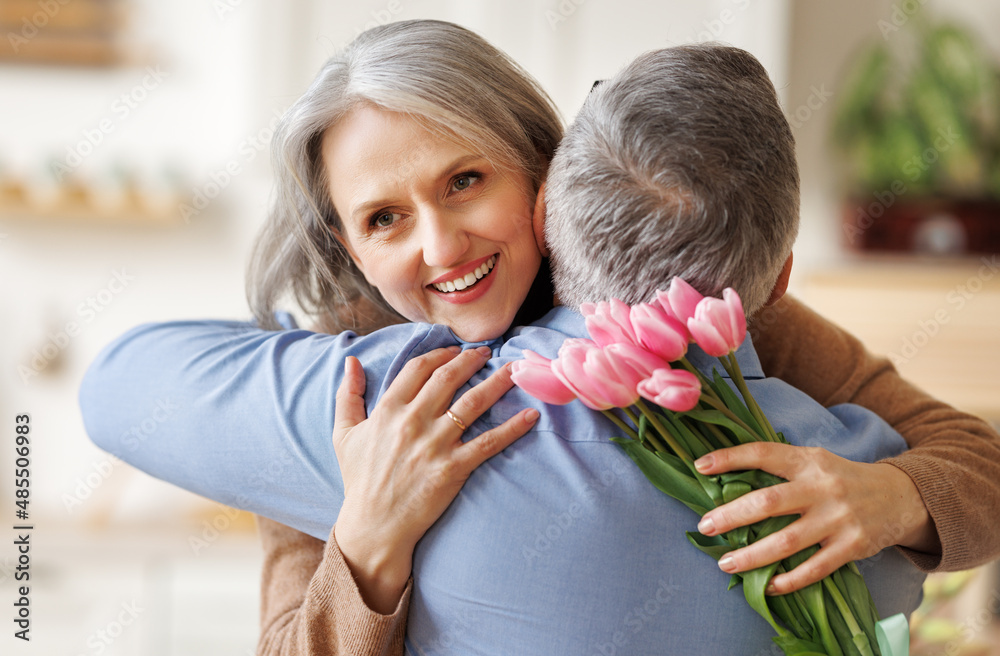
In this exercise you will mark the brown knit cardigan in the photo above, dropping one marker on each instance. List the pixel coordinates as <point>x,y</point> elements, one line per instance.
<point>310,604</point>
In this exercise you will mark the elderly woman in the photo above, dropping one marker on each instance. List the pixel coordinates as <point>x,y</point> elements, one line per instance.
<point>407,182</point>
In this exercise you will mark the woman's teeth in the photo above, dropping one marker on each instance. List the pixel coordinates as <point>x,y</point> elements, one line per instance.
<point>468,280</point>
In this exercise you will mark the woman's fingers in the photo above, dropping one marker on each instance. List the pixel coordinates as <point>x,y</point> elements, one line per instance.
<point>773,501</point>
<point>414,375</point>
<point>350,409</point>
<point>782,460</point>
<point>486,445</point>
<point>438,392</point>
<point>800,534</point>
<point>471,405</point>
<point>823,563</point>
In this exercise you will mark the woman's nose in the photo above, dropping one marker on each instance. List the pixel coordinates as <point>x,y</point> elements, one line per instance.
<point>443,239</point>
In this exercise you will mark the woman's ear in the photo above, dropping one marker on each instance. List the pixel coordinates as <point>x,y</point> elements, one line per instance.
<point>781,284</point>
<point>538,221</point>
<point>340,239</point>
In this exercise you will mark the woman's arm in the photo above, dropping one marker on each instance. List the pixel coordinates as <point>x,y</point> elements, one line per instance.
<point>940,498</point>
<point>311,605</point>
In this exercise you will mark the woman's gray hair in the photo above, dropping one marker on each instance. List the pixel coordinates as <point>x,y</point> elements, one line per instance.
<point>681,165</point>
<point>451,80</point>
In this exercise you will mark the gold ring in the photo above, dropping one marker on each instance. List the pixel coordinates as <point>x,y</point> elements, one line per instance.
<point>458,422</point>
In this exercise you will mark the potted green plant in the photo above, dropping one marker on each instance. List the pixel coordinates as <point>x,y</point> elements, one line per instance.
<point>918,130</point>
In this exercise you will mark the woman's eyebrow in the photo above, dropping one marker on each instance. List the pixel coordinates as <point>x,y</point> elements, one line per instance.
<point>370,205</point>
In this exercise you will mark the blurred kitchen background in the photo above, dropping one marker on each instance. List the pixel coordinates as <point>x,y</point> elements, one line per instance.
<point>134,173</point>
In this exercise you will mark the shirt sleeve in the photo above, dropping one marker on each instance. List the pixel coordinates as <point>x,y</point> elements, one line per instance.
<point>954,457</point>
<point>237,414</point>
<point>311,606</point>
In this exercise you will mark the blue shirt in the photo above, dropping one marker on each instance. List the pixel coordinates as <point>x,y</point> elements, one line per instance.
<point>558,545</point>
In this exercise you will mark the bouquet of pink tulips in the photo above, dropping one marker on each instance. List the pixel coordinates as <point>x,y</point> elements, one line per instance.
<point>626,364</point>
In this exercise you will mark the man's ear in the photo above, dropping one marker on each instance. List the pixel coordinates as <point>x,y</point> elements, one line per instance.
<point>781,284</point>
<point>538,221</point>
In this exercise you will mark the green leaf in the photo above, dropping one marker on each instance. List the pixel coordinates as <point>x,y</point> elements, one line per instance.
<point>754,583</point>
<point>861,599</point>
<point>857,595</point>
<point>734,490</point>
<point>786,608</point>
<point>797,646</point>
<point>815,603</point>
<point>755,478</point>
<point>712,545</point>
<point>665,477</point>
<point>734,581</point>
<point>716,417</point>
<point>840,630</point>
<point>734,402</point>
<point>683,434</point>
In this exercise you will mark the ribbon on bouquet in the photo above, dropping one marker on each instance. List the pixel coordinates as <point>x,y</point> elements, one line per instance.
<point>893,635</point>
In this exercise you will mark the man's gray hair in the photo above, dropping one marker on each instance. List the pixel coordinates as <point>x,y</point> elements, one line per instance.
<point>681,165</point>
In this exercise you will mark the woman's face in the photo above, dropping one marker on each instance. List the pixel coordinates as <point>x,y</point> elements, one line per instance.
<point>444,236</point>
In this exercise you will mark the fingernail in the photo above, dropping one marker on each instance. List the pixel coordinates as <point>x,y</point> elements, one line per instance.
<point>704,462</point>
<point>485,351</point>
<point>726,564</point>
<point>771,589</point>
<point>455,349</point>
<point>706,526</point>
<point>531,416</point>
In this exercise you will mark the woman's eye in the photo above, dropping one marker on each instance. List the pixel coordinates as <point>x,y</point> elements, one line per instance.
<point>385,219</point>
<point>464,181</point>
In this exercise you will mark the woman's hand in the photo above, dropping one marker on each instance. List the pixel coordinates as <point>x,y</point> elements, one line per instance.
<point>405,464</point>
<point>852,510</point>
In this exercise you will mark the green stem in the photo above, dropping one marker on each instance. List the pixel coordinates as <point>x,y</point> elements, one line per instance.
<point>719,435</point>
<point>621,424</point>
<point>721,407</point>
<point>706,386</point>
<point>848,615</point>
<point>679,451</point>
<point>737,375</point>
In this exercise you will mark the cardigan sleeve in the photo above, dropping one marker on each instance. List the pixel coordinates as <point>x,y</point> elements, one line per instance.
<point>311,606</point>
<point>954,457</point>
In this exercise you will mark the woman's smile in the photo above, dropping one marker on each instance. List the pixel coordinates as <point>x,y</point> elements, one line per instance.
<point>443,234</point>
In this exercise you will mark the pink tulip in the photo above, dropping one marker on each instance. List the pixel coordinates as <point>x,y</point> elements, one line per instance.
<point>609,323</point>
<point>634,361</point>
<point>680,300</point>
<point>673,389</point>
<point>534,375</point>
<point>660,333</point>
<point>719,325</point>
<point>589,371</point>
